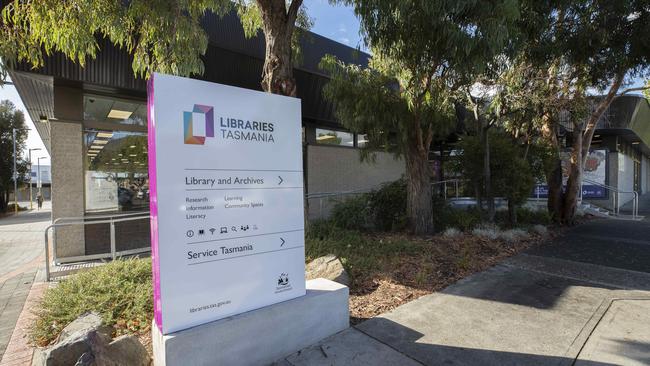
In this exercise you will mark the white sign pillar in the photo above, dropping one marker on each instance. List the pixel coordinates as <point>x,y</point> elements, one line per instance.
<point>226,185</point>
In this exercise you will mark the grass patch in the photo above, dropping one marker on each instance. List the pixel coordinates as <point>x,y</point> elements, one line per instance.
<point>119,291</point>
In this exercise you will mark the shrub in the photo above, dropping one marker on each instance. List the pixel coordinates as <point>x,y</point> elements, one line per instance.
<point>451,232</point>
<point>539,230</point>
<point>119,291</point>
<point>465,220</point>
<point>525,217</point>
<point>487,231</point>
<point>388,206</point>
<point>383,209</point>
<point>351,213</point>
<point>513,235</point>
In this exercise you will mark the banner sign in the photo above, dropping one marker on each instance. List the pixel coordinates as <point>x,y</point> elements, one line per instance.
<point>595,171</point>
<point>226,183</point>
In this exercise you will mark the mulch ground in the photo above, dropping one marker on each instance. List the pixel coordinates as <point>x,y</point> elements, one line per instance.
<point>440,262</point>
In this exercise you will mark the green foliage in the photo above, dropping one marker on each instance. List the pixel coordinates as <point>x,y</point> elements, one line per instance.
<point>452,40</point>
<point>463,219</point>
<point>10,118</point>
<point>119,291</point>
<point>359,254</point>
<point>383,209</point>
<point>162,36</point>
<point>388,206</point>
<point>351,213</point>
<point>525,217</point>
<point>512,175</point>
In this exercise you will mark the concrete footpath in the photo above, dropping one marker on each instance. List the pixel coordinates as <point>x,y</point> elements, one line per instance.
<point>21,254</point>
<point>582,300</point>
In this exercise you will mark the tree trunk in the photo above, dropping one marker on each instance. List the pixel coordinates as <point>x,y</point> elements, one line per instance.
<point>581,144</point>
<point>512,212</point>
<point>419,206</point>
<point>278,25</point>
<point>487,174</point>
<point>574,182</point>
<point>590,127</point>
<point>554,176</point>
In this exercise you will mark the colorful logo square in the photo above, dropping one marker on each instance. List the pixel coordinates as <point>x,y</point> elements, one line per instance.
<point>208,113</point>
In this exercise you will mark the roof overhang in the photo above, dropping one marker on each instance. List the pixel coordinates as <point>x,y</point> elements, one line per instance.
<point>37,93</point>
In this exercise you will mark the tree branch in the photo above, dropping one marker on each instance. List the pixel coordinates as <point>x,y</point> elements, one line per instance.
<point>292,13</point>
<point>630,90</point>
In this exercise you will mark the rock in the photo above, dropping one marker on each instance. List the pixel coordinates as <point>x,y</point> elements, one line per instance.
<point>87,359</point>
<point>328,267</point>
<point>84,324</point>
<point>124,350</point>
<point>86,342</point>
<point>77,339</point>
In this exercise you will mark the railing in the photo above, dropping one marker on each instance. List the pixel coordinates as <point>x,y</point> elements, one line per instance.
<point>456,182</point>
<point>329,195</point>
<point>615,196</point>
<point>90,220</point>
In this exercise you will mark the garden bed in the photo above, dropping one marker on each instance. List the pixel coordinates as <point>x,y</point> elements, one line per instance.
<point>388,270</point>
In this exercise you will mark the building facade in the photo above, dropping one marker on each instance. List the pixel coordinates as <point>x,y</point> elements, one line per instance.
<point>93,122</point>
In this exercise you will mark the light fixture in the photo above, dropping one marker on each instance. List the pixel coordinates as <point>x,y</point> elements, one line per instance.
<point>133,154</point>
<point>118,114</point>
<point>635,143</point>
<point>595,136</point>
<point>132,146</point>
<point>104,135</point>
<point>325,137</point>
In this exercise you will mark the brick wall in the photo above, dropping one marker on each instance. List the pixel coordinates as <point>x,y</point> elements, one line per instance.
<point>336,169</point>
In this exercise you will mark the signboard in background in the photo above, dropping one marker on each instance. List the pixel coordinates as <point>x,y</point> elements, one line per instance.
<point>101,192</point>
<point>226,184</point>
<point>595,171</point>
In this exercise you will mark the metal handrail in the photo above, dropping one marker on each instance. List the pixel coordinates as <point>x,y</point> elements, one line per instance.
<point>456,182</point>
<point>111,220</point>
<point>101,216</point>
<point>615,196</point>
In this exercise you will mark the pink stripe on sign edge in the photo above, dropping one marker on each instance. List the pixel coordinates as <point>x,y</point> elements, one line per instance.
<point>153,203</point>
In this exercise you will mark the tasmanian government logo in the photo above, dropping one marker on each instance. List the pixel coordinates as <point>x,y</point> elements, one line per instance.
<point>283,283</point>
<point>229,128</point>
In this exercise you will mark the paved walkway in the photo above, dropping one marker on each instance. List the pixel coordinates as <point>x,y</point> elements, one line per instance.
<point>582,300</point>
<point>21,254</point>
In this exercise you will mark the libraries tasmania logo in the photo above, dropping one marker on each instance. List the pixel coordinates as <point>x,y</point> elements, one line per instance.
<point>188,122</point>
<point>230,128</point>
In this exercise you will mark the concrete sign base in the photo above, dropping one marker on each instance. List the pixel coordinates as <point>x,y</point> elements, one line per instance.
<point>261,336</point>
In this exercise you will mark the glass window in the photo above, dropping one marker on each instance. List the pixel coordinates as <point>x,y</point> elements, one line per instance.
<point>103,109</point>
<point>362,140</point>
<point>116,176</point>
<point>332,137</point>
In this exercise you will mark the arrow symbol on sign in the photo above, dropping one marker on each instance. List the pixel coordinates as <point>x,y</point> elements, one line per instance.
<point>282,241</point>
<point>281,180</point>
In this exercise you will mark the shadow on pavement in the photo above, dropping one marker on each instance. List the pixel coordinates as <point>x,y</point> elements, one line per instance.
<point>408,342</point>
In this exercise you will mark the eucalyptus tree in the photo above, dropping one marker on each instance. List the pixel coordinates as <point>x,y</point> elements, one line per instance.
<point>161,35</point>
<point>581,45</point>
<point>424,53</point>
